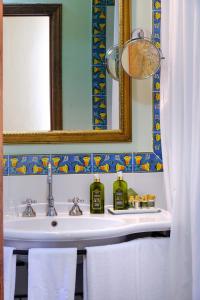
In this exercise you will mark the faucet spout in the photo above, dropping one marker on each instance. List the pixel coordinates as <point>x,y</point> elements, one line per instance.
<point>51,211</point>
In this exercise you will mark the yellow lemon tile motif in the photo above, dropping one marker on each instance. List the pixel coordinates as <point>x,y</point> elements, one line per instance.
<point>105,168</point>
<point>146,167</point>
<point>97,160</point>
<point>138,159</point>
<point>37,169</point>
<point>157,15</point>
<point>159,166</point>
<point>127,159</point>
<point>79,168</point>
<point>157,85</point>
<point>45,161</point>
<point>157,5</point>
<point>157,126</point>
<point>14,162</point>
<point>86,160</point>
<point>158,137</point>
<point>64,169</point>
<point>21,170</point>
<point>158,96</point>
<point>119,167</point>
<point>56,161</point>
<point>4,162</point>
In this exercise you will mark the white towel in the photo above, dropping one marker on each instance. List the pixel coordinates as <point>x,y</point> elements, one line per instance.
<point>9,273</point>
<point>51,274</point>
<point>135,270</point>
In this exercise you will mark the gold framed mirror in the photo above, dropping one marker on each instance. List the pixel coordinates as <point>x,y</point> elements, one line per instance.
<point>123,134</point>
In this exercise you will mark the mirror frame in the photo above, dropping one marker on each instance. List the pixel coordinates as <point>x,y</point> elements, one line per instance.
<point>124,134</point>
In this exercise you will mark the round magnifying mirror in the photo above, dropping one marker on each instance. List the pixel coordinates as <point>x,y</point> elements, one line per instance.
<point>112,62</point>
<point>140,58</point>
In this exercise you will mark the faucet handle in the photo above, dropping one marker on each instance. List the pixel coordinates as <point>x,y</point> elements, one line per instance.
<point>29,211</point>
<point>29,201</point>
<point>76,200</point>
<point>75,210</point>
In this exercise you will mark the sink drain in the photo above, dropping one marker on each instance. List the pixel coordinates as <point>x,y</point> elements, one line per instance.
<point>54,223</point>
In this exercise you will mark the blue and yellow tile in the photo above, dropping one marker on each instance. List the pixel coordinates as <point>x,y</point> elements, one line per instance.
<point>112,163</point>
<point>99,44</point>
<point>147,162</point>
<point>100,127</point>
<point>157,5</point>
<point>156,97</point>
<point>156,125</point>
<point>99,21</point>
<point>110,2</point>
<point>156,17</point>
<point>71,163</point>
<point>5,165</point>
<point>98,57</point>
<point>28,164</point>
<point>156,82</point>
<point>99,2</point>
<point>157,143</point>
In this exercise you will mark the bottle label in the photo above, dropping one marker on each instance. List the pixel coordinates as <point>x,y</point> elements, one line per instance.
<point>96,196</point>
<point>119,203</point>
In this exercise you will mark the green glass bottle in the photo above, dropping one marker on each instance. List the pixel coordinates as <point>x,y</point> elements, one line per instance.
<point>97,196</point>
<point>120,195</point>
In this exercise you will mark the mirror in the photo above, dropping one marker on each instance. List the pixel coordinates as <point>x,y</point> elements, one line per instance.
<point>140,58</point>
<point>94,108</point>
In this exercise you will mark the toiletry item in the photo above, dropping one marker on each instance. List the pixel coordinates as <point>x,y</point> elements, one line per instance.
<point>120,195</point>
<point>131,201</point>
<point>151,200</point>
<point>144,202</point>
<point>97,196</point>
<point>132,192</point>
<point>138,201</point>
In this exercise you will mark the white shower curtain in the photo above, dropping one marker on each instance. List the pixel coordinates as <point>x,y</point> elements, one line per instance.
<point>180,126</point>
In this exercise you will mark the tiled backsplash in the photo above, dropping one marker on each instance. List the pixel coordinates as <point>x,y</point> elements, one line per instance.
<point>82,163</point>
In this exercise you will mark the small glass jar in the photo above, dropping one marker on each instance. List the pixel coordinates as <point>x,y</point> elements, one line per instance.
<point>144,202</point>
<point>131,202</point>
<point>151,200</point>
<point>138,200</point>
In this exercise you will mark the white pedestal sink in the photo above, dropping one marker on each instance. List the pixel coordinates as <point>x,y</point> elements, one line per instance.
<point>79,231</point>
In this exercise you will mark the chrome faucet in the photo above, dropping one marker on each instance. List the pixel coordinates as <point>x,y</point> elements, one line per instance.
<point>51,209</point>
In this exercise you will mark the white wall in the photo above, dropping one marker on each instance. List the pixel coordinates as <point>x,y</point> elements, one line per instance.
<point>19,188</point>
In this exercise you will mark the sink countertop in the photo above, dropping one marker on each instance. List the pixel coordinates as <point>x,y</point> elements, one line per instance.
<point>85,227</point>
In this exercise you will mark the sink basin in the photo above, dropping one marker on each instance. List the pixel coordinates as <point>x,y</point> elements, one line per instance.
<point>67,224</point>
<point>62,229</point>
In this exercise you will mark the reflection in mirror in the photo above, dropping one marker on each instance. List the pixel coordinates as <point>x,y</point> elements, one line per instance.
<point>26,74</point>
<point>32,67</point>
<point>140,58</point>
<point>112,62</point>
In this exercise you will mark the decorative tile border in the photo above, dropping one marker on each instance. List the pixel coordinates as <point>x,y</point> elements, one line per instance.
<point>103,162</point>
<point>111,163</point>
<point>83,163</point>
<point>99,112</point>
<point>72,164</point>
<point>156,30</point>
